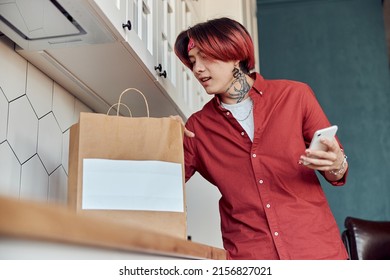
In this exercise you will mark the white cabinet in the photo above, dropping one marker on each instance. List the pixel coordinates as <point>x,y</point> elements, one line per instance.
<point>166,60</point>
<point>166,35</point>
<point>140,31</point>
<point>116,12</point>
<point>148,30</point>
<point>133,22</point>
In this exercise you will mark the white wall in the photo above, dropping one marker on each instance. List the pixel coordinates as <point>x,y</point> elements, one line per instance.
<point>203,212</point>
<point>221,8</point>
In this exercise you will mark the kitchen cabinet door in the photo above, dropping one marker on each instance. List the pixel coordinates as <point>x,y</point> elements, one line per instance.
<point>116,13</point>
<point>141,38</point>
<point>166,60</point>
<point>133,23</point>
<point>148,30</point>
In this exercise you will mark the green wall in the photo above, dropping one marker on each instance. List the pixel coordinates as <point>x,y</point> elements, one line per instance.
<point>338,47</point>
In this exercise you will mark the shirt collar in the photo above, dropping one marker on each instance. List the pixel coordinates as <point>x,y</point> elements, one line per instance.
<point>258,85</point>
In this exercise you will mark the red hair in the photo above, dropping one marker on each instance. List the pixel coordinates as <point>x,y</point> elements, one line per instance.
<point>223,39</point>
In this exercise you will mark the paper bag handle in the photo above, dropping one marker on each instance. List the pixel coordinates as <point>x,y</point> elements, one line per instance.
<point>120,103</point>
<point>117,104</point>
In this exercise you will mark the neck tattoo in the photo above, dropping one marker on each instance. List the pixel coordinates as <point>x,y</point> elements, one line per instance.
<point>239,78</point>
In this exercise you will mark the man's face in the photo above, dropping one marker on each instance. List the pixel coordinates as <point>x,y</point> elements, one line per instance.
<point>214,75</point>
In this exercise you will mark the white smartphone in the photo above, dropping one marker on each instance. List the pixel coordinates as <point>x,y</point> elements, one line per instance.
<point>327,132</point>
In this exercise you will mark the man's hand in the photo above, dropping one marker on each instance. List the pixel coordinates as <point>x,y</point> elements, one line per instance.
<point>186,131</point>
<point>332,159</point>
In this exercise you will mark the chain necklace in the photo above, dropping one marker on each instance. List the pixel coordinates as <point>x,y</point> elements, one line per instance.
<point>235,113</point>
<point>250,112</point>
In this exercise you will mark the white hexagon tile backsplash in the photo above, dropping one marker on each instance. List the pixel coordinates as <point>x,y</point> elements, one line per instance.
<point>3,116</point>
<point>39,90</point>
<point>35,180</point>
<point>22,133</point>
<point>50,143</point>
<point>13,70</point>
<point>63,107</point>
<point>35,116</point>
<point>10,170</point>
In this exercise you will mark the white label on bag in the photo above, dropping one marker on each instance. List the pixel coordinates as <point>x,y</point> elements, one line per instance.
<point>132,185</point>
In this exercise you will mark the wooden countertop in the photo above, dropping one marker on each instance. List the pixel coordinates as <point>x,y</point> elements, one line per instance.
<point>48,222</point>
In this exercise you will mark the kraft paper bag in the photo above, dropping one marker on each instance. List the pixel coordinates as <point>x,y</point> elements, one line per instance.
<point>119,138</point>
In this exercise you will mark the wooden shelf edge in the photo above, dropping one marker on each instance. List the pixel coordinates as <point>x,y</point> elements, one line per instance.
<point>44,221</point>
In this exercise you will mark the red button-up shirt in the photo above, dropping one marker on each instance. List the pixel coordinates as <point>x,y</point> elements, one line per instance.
<point>271,207</point>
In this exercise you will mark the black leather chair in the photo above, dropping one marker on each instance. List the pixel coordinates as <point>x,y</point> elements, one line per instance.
<point>367,240</point>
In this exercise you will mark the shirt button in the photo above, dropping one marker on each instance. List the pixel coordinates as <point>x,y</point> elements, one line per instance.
<point>242,133</point>
<point>228,113</point>
<point>254,155</point>
<point>261,181</point>
<point>268,206</point>
<point>276,233</point>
